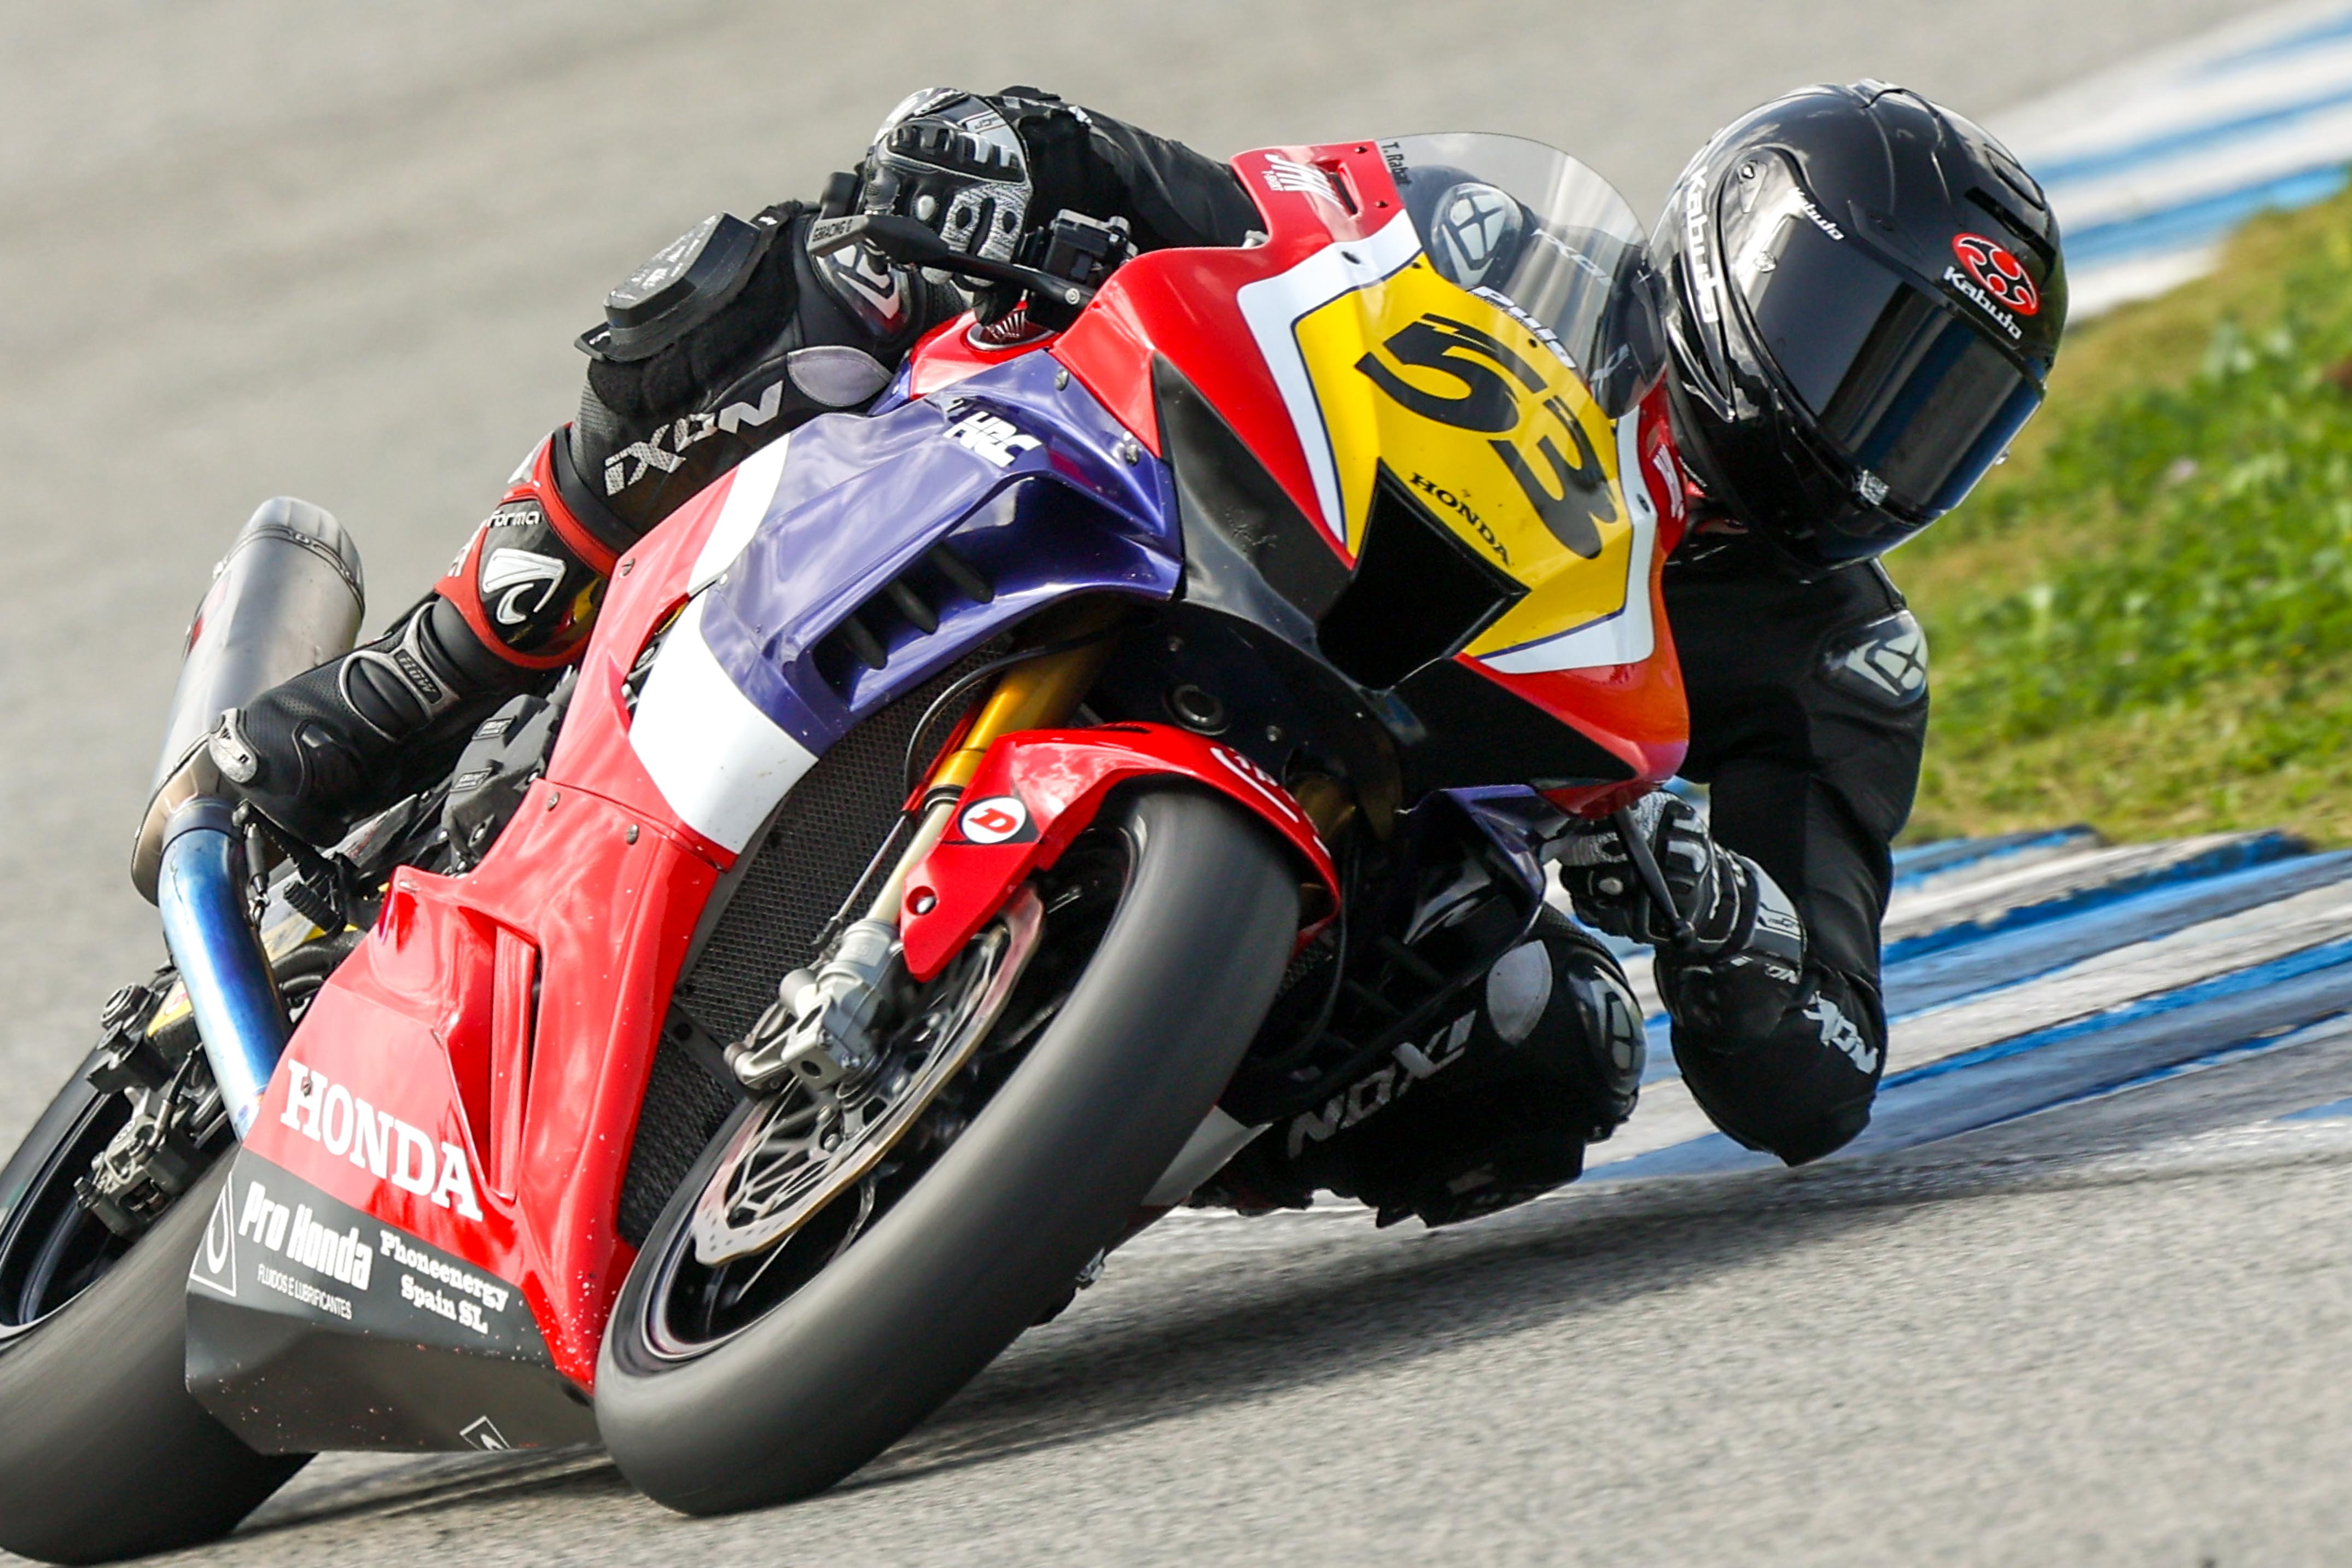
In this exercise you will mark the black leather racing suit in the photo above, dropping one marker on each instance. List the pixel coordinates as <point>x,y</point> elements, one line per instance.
<point>1808,697</point>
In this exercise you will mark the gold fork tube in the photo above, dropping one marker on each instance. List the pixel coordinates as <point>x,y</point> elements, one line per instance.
<point>1034,695</point>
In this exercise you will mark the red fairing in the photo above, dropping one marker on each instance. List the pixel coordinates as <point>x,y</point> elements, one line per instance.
<point>522,1101</point>
<point>947,354</point>
<point>1038,790</point>
<point>1637,712</point>
<point>1662,473</point>
<point>1183,306</point>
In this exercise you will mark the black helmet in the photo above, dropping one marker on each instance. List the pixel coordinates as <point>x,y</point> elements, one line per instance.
<point>1867,295</point>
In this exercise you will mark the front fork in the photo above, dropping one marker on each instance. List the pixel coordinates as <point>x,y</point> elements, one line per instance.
<point>822,1028</point>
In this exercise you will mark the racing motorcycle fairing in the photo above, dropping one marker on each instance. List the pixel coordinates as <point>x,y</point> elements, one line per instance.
<point>1038,790</point>
<point>950,353</point>
<point>1380,383</point>
<point>504,1022</point>
<point>466,1083</point>
<point>1020,479</point>
<point>460,1103</point>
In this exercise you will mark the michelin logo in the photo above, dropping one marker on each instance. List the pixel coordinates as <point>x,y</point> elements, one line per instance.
<point>379,1142</point>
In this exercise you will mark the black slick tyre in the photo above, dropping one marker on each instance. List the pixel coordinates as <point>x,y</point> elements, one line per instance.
<point>103,1453</point>
<point>990,1235</point>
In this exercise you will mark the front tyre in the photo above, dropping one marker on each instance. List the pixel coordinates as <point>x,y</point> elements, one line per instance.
<point>990,1236</point>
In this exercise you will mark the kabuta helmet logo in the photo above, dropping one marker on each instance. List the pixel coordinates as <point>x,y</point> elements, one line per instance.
<point>1998,273</point>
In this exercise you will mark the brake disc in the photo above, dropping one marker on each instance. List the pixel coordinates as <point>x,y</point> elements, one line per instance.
<point>806,1147</point>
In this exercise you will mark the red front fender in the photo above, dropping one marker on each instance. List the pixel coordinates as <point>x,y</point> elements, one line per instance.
<point>1038,790</point>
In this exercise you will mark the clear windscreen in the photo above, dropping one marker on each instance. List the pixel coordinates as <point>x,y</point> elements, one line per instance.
<point>1536,232</point>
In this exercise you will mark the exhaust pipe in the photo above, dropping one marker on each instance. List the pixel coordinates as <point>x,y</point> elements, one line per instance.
<point>200,888</point>
<point>287,598</point>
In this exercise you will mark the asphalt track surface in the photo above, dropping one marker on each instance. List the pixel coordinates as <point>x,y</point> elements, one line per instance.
<point>338,251</point>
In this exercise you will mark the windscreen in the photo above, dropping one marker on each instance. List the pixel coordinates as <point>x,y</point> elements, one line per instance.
<point>1538,234</point>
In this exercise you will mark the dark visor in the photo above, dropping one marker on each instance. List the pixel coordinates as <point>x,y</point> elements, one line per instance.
<point>1902,386</point>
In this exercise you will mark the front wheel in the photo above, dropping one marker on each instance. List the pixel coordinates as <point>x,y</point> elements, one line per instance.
<point>770,1376</point>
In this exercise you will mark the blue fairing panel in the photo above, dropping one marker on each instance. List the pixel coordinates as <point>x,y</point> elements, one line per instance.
<point>1034,485</point>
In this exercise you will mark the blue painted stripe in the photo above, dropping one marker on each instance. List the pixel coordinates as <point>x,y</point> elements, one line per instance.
<point>2207,218</point>
<point>2170,144</point>
<point>2228,857</point>
<point>1955,853</point>
<point>2329,32</point>
<point>2042,1067</point>
<point>2228,1056</point>
<point>2013,957</point>
<point>1952,1103</point>
<point>2327,956</point>
<point>2333,1110</point>
<point>1916,982</point>
<point>1912,854</point>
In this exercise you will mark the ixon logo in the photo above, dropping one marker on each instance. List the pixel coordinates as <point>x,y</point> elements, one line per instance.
<point>378,1141</point>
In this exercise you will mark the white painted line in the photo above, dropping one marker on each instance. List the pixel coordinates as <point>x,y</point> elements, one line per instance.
<point>2149,166</point>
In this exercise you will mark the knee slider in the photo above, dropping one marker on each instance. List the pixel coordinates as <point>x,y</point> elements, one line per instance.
<point>1800,1090</point>
<point>1564,1001</point>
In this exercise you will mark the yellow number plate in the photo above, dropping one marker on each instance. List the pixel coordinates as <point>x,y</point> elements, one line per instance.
<point>1491,428</point>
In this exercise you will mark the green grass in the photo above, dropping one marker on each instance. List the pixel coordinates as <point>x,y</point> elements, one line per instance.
<point>2144,621</point>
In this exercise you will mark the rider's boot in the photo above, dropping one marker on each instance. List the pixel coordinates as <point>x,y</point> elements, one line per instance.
<point>1494,1106</point>
<point>343,741</point>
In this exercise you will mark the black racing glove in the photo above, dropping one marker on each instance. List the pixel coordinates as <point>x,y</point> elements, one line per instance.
<point>1726,900</point>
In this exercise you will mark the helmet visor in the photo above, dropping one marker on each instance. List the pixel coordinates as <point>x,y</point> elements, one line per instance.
<point>1900,385</point>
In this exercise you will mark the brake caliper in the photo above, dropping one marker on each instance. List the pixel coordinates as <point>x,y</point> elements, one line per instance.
<point>175,1112</point>
<point>821,1030</point>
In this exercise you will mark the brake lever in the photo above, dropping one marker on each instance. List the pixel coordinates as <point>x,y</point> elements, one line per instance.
<point>911,244</point>
<point>1654,881</point>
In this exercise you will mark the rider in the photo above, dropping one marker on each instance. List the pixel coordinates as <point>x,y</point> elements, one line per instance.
<point>1863,295</point>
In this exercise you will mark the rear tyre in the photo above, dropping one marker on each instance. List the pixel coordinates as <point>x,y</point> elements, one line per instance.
<point>990,1236</point>
<point>103,1453</point>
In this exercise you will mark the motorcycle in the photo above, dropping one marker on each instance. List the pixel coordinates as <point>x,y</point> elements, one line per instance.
<point>972,825</point>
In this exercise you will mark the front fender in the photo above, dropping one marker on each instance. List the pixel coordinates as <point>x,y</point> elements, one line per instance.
<point>1038,789</point>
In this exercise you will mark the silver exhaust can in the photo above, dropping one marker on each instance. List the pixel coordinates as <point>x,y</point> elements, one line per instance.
<point>287,597</point>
